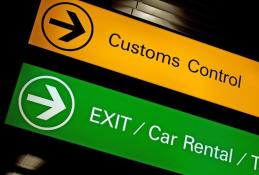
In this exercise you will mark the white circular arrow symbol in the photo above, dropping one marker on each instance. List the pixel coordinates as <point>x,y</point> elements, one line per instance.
<point>56,104</point>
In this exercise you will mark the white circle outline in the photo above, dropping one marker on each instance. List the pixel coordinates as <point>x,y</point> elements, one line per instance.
<point>40,127</point>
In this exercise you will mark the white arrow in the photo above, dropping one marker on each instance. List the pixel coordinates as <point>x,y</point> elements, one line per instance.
<point>56,104</point>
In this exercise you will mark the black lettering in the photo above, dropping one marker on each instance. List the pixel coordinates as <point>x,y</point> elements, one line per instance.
<point>220,76</point>
<point>123,45</point>
<point>216,73</point>
<point>225,76</point>
<point>115,40</point>
<point>176,62</point>
<point>152,53</point>
<point>194,66</point>
<point>190,68</point>
<point>239,82</point>
<point>235,81</point>
<point>142,50</point>
<point>110,39</point>
<point>163,57</point>
<point>206,71</point>
<point>135,48</point>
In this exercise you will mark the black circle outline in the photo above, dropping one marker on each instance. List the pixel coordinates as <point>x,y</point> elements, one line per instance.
<point>67,3</point>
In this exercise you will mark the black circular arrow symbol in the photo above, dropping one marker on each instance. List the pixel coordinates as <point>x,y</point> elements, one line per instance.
<point>76,28</point>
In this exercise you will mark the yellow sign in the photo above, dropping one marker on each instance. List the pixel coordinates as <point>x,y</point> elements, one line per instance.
<point>110,40</point>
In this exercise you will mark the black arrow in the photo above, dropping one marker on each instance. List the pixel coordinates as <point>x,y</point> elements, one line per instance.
<point>76,28</point>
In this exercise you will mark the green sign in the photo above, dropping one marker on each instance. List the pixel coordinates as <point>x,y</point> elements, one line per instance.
<point>79,112</point>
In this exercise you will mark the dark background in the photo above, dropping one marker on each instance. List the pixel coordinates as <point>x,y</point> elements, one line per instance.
<point>234,29</point>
